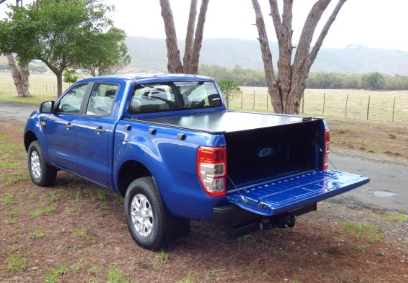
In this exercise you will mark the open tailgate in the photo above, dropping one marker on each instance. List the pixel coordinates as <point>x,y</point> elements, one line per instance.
<point>285,194</point>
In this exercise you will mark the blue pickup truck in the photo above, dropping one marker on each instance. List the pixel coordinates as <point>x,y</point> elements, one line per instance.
<point>168,145</point>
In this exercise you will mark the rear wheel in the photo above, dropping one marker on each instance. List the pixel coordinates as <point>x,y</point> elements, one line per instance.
<point>145,214</point>
<point>42,174</point>
<point>147,219</point>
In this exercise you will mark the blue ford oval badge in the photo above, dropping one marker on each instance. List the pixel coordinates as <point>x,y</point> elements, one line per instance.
<point>267,151</point>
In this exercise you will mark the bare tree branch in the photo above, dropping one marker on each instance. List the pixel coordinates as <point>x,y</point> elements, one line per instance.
<point>173,53</point>
<point>307,33</point>
<point>276,18</point>
<point>323,34</point>
<point>273,88</point>
<point>287,90</point>
<point>198,38</point>
<point>189,36</point>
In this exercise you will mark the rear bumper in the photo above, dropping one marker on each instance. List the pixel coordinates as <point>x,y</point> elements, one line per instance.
<point>232,214</point>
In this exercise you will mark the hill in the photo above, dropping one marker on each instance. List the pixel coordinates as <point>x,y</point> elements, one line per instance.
<point>150,54</point>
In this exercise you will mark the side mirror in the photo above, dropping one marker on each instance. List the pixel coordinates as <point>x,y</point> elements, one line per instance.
<point>47,107</point>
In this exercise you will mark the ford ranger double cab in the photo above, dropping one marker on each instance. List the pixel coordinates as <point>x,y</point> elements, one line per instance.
<point>168,145</point>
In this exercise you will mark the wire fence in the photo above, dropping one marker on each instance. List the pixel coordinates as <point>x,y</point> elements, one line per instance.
<point>44,87</point>
<point>356,104</point>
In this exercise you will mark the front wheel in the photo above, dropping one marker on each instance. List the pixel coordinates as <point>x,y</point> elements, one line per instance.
<point>42,174</point>
<point>145,214</point>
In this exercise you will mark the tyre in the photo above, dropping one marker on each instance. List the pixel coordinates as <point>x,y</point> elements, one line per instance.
<point>42,174</point>
<point>147,219</point>
<point>145,214</point>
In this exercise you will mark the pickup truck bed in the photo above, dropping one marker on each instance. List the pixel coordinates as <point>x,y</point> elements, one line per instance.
<point>284,179</point>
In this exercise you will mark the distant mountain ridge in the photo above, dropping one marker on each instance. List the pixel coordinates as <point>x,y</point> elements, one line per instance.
<point>150,54</point>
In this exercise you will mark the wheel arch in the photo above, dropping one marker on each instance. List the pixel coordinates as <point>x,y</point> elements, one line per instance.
<point>128,172</point>
<point>29,137</point>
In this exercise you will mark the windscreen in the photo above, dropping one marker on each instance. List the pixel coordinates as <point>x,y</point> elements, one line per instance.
<point>171,96</point>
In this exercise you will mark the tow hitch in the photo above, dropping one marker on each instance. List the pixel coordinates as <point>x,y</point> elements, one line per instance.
<point>285,220</point>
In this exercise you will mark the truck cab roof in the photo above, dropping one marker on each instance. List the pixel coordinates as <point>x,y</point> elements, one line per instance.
<point>149,78</point>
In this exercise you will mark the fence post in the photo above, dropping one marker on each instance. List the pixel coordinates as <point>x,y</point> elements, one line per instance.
<point>393,110</point>
<point>345,115</point>
<point>324,103</point>
<point>368,107</point>
<point>242,98</point>
<point>303,103</point>
<point>254,101</point>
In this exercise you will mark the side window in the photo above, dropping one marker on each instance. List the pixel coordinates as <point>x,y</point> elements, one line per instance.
<point>72,100</point>
<point>101,99</point>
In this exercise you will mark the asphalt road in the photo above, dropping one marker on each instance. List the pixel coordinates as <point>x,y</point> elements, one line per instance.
<point>387,191</point>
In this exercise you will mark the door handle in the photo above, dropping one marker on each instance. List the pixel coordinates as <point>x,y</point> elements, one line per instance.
<point>100,130</point>
<point>69,126</point>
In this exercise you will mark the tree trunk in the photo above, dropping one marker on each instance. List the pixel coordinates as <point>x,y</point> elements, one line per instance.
<point>173,53</point>
<point>273,88</point>
<point>189,37</point>
<point>195,54</point>
<point>288,89</point>
<point>59,83</point>
<point>20,76</point>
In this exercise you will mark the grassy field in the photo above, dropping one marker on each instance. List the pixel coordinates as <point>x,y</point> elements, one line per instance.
<point>43,87</point>
<point>381,103</point>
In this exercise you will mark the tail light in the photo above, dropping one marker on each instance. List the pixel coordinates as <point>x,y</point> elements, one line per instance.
<point>326,149</point>
<point>212,170</point>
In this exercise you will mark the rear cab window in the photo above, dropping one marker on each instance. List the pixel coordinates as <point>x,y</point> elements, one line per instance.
<point>173,96</point>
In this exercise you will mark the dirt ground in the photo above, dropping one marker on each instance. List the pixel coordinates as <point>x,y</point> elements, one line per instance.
<point>76,232</point>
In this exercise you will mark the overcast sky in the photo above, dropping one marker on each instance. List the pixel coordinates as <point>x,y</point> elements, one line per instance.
<point>372,23</point>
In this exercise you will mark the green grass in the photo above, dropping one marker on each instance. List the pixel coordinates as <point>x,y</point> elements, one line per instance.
<point>397,217</point>
<point>365,233</point>
<point>36,235</point>
<point>53,196</point>
<point>162,256</point>
<point>16,263</point>
<point>362,229</point>
<point>78,266</point>
<point>187,279</point>
<point>9,199</point>
<point>115,275</point>
<point>9,221</point>
<point>10,147</point>
<point>81,233</point>
<point>9,164</point>
<point>27,100</point>
<point>13,179</point>
<point>68,210</point>
<point>53,275</point>
<point>35,213</point>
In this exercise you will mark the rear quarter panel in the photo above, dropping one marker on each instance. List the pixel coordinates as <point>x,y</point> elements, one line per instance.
<point>172,163</point>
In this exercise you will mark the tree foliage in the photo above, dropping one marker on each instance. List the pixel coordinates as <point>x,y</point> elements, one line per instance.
<point>62,34</point>
<point>372,81</point>
<point>229,89</point>
<point>110,53</point>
